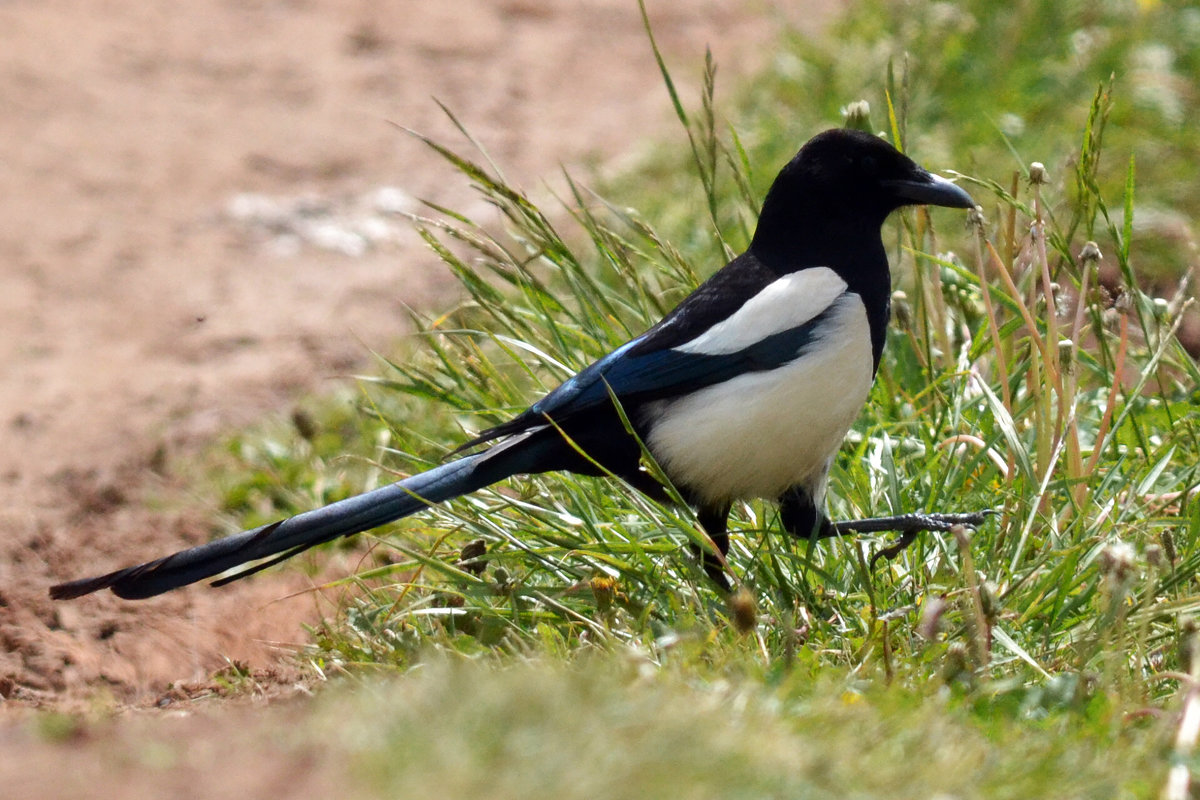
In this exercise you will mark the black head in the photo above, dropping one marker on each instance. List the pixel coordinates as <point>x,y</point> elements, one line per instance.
<point>846,182</point>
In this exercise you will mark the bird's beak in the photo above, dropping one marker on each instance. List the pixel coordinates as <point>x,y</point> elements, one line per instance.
<point>930,189</point>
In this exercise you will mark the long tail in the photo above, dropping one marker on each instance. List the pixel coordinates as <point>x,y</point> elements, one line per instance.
<point>281,540</point>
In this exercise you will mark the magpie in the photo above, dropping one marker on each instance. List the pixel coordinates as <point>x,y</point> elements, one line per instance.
<point>745,390</point>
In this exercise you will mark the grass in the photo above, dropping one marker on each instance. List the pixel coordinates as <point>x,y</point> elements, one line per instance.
<point>1029,368</point>
<point>642,731</point>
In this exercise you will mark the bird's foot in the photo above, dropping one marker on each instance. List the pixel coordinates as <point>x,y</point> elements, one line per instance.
<point>908,526</point>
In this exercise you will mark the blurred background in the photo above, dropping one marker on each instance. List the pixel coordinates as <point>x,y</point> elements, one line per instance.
<point>203,206</point>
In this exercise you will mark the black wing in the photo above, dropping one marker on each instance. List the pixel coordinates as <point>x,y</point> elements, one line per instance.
<point>650,368</point>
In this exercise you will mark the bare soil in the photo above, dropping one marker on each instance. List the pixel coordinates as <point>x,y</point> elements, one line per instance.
<point>193,234</point>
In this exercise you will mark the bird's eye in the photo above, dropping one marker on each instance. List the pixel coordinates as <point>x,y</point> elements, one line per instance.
<point>869,165</point>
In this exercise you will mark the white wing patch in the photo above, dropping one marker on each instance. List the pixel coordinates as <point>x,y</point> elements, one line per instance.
<point>786,303</point>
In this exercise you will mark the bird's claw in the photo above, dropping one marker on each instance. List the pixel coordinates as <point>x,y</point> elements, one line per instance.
<point>896,548</point>
<point>919,523</point>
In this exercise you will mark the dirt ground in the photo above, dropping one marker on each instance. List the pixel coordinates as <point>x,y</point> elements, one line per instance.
<point>198,224</point>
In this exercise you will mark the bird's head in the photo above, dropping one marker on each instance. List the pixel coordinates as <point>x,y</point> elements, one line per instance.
<point>847,180</point>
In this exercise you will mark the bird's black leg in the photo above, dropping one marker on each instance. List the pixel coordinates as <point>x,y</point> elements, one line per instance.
<point>908,526</point>
<point>802,518</point>
<point>911,523</point>
<point>714,520</point>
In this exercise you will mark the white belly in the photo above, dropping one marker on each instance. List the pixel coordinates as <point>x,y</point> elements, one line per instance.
<point>763,432</point>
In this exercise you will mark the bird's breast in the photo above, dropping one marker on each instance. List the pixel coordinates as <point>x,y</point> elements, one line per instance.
<point>765,431</point>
